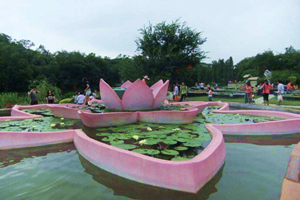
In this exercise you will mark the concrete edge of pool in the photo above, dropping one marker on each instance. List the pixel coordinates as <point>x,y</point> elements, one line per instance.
<point>291,186</point>
<point>139,167</point>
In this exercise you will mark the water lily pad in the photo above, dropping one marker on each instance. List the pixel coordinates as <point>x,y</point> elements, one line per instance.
<point>125,146</point>
<point>169,142</point>
<point>141,151</point>
<point>179,159</point>
<point>170,152</point>
<point>153,152</point>
<point>151,141</point>
<point>192,144</point>
<point>103,134</point>
<point>181,148</point>
<point>113,142</point>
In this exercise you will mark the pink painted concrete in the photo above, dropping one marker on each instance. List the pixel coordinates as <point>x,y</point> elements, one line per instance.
<point>108,119</point>
<point>137,96</point>
<point>66,111</point>
<point>187,176</point>
<point>200,105</point>
<point>11,140</point>
<point>156,86</point>
<point>17,114</point>
<point>263,128</point>
<point>168,117</point>
<point>161,95</point>
<point>126,84</point>
<point>109,96</point>
<point>291,185</point>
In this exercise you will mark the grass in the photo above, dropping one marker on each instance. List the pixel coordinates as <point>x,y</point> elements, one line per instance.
<point>215,98</point>
<point>286,102</point>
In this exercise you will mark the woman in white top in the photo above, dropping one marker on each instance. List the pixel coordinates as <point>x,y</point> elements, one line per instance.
<point>176,91</point>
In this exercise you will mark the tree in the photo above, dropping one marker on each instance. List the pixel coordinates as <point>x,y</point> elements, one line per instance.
<point>169,48</point>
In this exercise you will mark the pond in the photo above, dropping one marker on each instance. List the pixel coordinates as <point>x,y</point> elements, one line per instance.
<point>58,172</point>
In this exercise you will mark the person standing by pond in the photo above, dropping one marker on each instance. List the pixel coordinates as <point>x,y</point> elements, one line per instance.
<point>50,97</point>
<point>266,91</point>
<point>145,79</point>
<point>248,92</point>
<point>175,92</point>
<point>87,91</point>
<point>183,91</point>
<point>33,98</point>
<point>280,88</point>
<point>210,93</point>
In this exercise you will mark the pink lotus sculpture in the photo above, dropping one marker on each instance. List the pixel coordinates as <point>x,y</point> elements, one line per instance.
<point>137,96</point>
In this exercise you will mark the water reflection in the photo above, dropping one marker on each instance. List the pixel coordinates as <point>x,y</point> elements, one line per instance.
<point>13,156</point>
<point>135,190</point>
<point>286,139</point>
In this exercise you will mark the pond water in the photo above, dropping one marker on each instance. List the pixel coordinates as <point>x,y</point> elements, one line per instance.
<point>253,169</point>
<point>59,172</point>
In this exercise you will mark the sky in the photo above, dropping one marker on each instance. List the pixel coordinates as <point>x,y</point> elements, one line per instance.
<point>234,28</point>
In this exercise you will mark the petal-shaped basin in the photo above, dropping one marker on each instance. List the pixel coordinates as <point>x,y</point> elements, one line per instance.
<point>108,119</point>
<point>169,117</point>
<point>66,111</point>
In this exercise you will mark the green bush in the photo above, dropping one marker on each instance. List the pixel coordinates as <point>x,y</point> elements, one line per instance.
<point>67,100</point>
<point>10,99</point>
<point>44,86</point>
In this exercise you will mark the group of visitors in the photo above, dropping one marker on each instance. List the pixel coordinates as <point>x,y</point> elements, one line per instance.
<point>180,92</point>
<point>34,100</point>
<point>201,85</point>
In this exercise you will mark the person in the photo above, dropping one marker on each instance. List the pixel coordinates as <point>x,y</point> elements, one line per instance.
<point>248,92</point>
<point>280,88</point>
<point>289,87</point>
<point>266,91</point>
<point>175,92</point>
<point>81,98</point>
<point>183,91</point>
<point>210,93</point>
<point>50,97</point>
<point>216,86</point>
<point>201,85</point>
<point>94,94</point>
<point>75,98</point>
<point>254,93</point>
<point>145,78</point>
<point>33,98</point>
<point>87,92</point>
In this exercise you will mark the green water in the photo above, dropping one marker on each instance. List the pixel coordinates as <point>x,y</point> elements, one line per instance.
<point>254,169</point>
<point>59,172</point>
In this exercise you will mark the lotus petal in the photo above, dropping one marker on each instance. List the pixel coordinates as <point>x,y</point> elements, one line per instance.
<point>161,95</point>
<point>137,96</point>
<point>109,96</point>
<point>156,87</point>
<point>126,84</point>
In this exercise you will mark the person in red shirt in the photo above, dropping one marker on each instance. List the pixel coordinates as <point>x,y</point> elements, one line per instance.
<point>266,91</point>
<point>248,92</point>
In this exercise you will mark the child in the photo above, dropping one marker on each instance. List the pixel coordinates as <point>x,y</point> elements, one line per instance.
<point>210,93</point>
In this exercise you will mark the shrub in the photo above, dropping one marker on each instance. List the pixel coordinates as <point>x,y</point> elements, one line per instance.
<point>67,100</point>
<point>8,100</point>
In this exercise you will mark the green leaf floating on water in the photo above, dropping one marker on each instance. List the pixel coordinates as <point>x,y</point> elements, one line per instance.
<point>125,146</point>
<point>170,142</point>
<point>103,134</point>
<point>170,152</point>
<point>181,148</point>
<point>179,159</point>
<point>141,151</point>
<point>192,144</point>
<point>152,141</point>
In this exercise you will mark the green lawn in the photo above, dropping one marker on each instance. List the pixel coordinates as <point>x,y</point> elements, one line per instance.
<point>287,102</point>
<point>223,99</point>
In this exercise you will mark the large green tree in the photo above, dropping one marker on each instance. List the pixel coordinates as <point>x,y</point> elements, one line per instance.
<point>168,49</point>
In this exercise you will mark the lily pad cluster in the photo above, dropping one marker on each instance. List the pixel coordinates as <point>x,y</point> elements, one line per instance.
<point>45,124</point>
<point>94,108</point>
<point>221,118</point>
<point>166,142</point>
<point>174,107</point>
<point>40,111</point>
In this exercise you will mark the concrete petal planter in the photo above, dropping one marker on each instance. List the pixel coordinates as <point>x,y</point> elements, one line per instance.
<point>188,176</point>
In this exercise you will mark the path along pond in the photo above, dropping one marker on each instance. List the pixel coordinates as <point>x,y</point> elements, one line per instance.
<point>253,169</point>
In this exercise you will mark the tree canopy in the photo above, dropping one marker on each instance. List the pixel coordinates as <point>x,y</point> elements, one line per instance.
<point>166,49</point>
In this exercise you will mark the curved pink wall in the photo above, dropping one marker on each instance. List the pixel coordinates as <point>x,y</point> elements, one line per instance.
<point>187,176</point>
<point>16,139</point>
<point>108,119</point>
<point>66,111</point>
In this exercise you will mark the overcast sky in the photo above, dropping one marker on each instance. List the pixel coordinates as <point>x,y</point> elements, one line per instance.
<point>236,28</point>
